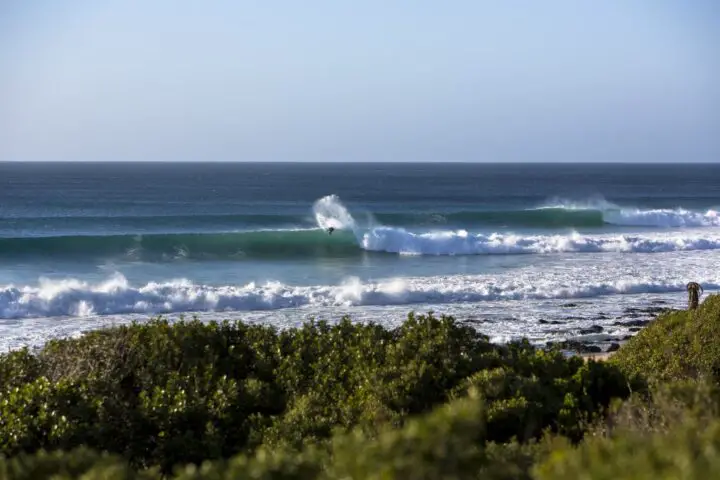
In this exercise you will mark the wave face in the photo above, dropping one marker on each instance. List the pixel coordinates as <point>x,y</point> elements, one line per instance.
<point>317,243</point>
<point>54,298</point>
<point>559,217</point>
<point>330,212</point>
<point>165,247</point>
<point>352,237</point>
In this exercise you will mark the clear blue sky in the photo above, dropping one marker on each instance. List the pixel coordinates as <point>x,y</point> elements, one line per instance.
<point>371,80</point>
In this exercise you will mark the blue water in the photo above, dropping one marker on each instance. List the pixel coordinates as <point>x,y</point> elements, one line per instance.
<point>113,240</point>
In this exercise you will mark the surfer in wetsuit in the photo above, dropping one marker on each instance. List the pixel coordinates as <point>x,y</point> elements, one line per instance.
<point>330,230</point>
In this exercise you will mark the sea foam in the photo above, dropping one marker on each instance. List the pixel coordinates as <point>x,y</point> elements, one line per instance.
<point>75,298</point>
<point>662,218</point>
<point>397,240</point>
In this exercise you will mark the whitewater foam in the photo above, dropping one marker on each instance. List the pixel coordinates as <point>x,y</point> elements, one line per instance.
<point>75,298</point>
<point>397,240</point>
<point>331,213</point>
<point>614,214</point>
<point>662,218</point>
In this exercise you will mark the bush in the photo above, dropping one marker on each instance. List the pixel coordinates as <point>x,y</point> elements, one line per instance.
<point>65,466</point>
<point>678,345</point>
<point>161,394</point>
<point>448,442</point>
<point>689,451</point>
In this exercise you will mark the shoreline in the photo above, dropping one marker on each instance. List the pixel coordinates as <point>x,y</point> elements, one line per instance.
<point>594,335</point>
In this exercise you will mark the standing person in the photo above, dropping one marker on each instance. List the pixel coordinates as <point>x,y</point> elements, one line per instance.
<point>694,291</point>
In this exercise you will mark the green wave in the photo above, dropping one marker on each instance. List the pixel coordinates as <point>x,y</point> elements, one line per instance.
<point>270,243</point>
<point>537,218</point>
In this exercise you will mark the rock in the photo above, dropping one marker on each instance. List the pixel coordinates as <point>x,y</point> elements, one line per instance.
<point>550,322</point>
<point>635,329</point>
<point>613,339</point>
<point>574,346</point>
<point>474,320</point>
<point>613,347</point>
<point>627,337</point>
<point>592,329</point>
<point>632,323</point>
<point>569,305</point>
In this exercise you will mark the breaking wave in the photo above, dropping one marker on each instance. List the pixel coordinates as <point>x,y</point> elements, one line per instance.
<point>394,240</point>
<point>330,212</point>
<point>71,297</point>
<point>317,243</point>
<point>352,238</point>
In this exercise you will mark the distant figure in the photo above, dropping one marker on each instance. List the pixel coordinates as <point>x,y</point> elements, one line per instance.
<point>694,291</point>
<point>330,230</point>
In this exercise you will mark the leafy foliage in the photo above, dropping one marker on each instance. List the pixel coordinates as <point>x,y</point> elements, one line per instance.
<point>678,345</point>
<point>687,451</point>
<point>430,399</point>
<point>167,394</point>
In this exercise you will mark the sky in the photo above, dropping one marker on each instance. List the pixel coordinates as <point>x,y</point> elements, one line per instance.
<point>377,80</point>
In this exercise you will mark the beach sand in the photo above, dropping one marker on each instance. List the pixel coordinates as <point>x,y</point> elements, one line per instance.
<point>599,357</point>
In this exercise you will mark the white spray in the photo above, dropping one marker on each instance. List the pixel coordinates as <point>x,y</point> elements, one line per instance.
<point>331,213</point>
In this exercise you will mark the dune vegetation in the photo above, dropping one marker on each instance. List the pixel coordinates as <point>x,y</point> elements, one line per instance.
<point>429,399</point>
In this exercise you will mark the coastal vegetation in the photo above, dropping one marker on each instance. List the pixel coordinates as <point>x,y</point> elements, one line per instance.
<point>432,398</point>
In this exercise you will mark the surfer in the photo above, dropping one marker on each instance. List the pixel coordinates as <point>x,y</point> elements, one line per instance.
<point>330,230</point>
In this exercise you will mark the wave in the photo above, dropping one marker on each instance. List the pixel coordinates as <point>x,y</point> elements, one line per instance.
<point>317,243</point>
<point>352,238</point>
<point>613,214</point>
<point>535,218</point>
<point>662,218</point>
<point>558,217</point>
<point>330,212</point>
<point>165,247</point>
<point>115,296</point>
<point>394,240</point>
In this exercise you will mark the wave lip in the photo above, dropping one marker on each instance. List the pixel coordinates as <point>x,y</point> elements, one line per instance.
<point>74,298</point>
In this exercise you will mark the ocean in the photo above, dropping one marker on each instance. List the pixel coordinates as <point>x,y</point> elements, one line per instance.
<point>546,252</point>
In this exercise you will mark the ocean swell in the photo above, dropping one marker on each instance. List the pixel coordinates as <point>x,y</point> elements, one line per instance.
<point>342,243</point>
<point>350,237</point>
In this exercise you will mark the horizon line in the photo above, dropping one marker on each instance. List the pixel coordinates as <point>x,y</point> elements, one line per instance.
<point>397,162</point>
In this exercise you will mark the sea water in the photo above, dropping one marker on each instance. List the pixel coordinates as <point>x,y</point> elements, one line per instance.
<point>536,251</point>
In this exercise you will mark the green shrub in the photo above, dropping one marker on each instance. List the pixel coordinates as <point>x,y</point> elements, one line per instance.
<point>670,431</point>
<point>676,346</point>
<point>80,463</point>
<point>687,451</point>
<point>539,391</point>
<point>162,394</point>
